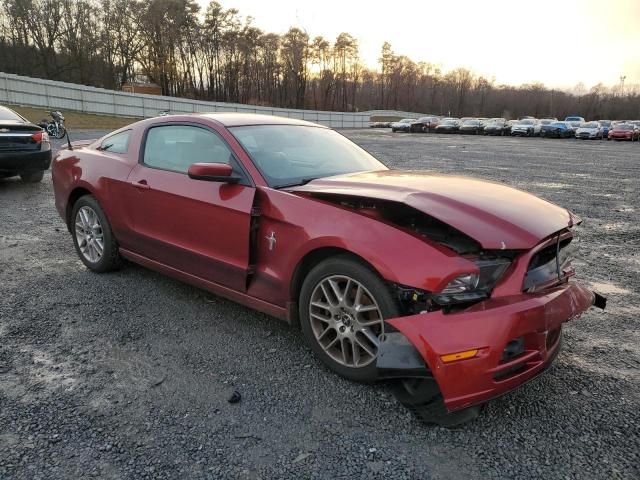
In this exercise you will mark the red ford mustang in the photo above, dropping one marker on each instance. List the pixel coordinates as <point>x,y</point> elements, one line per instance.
<point>453,289</point>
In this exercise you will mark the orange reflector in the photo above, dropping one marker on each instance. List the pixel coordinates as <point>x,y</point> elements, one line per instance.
<point>452,357</point>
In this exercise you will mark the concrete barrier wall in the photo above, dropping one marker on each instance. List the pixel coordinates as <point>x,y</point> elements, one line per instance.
<point>36,92</point>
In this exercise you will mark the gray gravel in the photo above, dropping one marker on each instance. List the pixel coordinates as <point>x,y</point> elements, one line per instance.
<point>127,375</point>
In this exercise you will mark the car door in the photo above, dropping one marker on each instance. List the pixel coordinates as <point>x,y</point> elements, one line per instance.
<point>198,227</point>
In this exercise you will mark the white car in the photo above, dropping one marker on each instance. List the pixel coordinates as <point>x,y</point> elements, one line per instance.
<point>528,127</point>
<point>403,125</point>
<point>590,130</point>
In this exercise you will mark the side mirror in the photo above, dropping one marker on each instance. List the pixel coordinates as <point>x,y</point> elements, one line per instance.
<point>212,172</point>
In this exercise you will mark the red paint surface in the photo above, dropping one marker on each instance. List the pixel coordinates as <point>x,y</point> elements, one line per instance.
<point>198,231</point>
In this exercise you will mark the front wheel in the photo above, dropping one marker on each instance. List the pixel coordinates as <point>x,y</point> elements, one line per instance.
<point>92,236</point>
<point>343,304</point>
<point>422,396</point>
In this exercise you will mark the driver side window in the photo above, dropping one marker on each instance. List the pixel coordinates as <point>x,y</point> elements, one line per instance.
<point>177,147</point>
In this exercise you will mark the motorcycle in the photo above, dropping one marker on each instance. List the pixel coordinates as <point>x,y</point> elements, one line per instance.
<point>54,128</point>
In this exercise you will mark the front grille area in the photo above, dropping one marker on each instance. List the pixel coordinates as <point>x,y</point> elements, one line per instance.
<point>546,267</point>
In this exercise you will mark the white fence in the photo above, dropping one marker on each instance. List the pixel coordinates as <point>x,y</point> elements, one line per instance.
<point>35,92</point>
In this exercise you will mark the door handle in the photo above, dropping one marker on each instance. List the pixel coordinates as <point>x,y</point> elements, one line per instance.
<point>142,185</point>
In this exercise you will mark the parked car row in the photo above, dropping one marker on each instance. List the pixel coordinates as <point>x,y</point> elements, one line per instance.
<point>570,127</point>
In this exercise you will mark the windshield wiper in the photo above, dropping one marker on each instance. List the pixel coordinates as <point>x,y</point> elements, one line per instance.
<point>105,147</point>
<point>298,183</point>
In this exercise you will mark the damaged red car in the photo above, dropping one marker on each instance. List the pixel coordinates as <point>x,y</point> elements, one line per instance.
<point>453,289</point>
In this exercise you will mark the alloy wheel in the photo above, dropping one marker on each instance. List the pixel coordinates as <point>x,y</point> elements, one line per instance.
<point>346,321</point>
<point>89,234</point>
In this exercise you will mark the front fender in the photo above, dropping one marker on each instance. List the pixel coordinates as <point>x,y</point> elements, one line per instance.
<point>303,225</point>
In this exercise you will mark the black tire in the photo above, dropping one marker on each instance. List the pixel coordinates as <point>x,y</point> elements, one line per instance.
<point>32,177</point>
<point>422,396</point>
<point>393,130</point>
<point>110,259</point>
<point>348,266</point>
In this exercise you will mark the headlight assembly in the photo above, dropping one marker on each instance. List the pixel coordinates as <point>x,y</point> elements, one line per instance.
<point>474,286</point>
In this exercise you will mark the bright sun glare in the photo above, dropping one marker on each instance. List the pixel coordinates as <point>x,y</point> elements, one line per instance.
<point>576,41</point>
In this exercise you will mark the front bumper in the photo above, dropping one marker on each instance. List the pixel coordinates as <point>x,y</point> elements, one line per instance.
<point>488,327</point>
<point>26,161</point>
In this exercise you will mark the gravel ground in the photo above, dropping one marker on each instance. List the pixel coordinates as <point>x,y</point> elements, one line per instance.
<point>127,375</point>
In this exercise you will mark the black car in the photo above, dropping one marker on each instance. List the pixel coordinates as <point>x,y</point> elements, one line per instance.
<point>448,125</point>
<point>24,147</point>
<point>472,126</point>
<point>497,126</point>
<point>424,124</point>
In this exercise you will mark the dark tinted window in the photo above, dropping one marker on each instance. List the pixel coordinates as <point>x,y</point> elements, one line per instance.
<point>6,114</point>
<point>177,147</point>
<point>118,143</point>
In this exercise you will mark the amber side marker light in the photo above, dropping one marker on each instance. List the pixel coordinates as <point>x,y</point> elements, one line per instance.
<point>452,357</point>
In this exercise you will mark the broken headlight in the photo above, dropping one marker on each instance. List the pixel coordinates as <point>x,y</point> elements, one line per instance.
<point>471,287</point>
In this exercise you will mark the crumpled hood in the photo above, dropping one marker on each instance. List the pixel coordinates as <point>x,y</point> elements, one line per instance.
<point>496,216</point>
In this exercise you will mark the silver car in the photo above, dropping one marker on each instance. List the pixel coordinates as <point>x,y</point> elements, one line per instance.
<point>590,130</point>
<point>528,127</point>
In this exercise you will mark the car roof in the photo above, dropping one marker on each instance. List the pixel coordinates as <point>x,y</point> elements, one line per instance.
<point>232,119</point>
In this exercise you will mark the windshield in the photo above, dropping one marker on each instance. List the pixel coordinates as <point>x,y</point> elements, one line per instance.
<point>623,126</point>
<point>288,155</point>
<point>472,123</point>
<point>605,123</point>
<point>6,114</point>
<point>590,125</point>
<point>526,122</point>
<point>574,119</point>
<point>558,124</point>
<point>406,120</point>
<point>448,122</point>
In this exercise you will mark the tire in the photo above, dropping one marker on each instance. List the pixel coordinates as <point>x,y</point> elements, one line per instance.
<point>393,130</point>
<point>32,177</point>
<point>110,259</point>
<point>337,340</point>
<point>61,133</point>
<point>422,396</point>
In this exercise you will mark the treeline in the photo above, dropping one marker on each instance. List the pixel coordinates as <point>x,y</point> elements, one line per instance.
<point>217,54</point>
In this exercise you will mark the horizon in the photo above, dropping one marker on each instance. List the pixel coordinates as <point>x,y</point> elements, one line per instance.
<point>509,57</point>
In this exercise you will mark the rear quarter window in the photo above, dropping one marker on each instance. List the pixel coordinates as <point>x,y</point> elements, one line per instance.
<point>118,143</point>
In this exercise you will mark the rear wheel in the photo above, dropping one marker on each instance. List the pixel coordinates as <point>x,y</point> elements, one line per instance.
<point>32,177</point>
<point>92,236</point>
<point>343,304</point>
<point>422,396</point>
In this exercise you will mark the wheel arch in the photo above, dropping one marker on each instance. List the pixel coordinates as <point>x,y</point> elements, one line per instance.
<point>306,264</point>
<point>74,196</point>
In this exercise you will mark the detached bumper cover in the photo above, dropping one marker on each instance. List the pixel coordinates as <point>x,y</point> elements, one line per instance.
<point>25,161</point>
<point>489,326</point>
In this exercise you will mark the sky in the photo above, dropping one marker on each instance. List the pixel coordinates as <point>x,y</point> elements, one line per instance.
<point>559,43</point>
